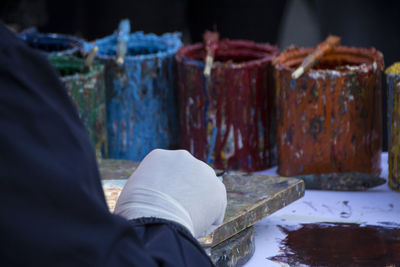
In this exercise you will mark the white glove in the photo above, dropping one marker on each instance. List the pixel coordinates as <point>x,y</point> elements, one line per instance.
<point>173,185</point>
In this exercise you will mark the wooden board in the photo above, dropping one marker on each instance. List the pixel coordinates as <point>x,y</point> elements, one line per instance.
<point>235,251</point>
<point>251,197</point>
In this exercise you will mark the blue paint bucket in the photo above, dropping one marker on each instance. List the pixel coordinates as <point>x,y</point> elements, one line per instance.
<point>140,93</point>
<point>53,44</point>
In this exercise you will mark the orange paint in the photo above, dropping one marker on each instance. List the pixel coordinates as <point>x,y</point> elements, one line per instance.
<point>329,120</point>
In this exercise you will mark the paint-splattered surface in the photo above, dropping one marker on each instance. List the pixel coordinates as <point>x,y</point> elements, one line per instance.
<point>340,244</point>
<point>329,120</point>
<point>250,197</point>
<point>378,206</point>
<point>228,119</point>
<point>53,44</point>
<point>140,94</point>
<point>393,86</point>
<point>87,90</point>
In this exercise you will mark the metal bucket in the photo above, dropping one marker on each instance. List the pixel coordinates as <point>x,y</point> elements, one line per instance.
<point>393,85</point>
<point>87,90</point>
<point>228,120</point>
<point>140,94</point>
<point>53,44</point>
<point>329,120</point>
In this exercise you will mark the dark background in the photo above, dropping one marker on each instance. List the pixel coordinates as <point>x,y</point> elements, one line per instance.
<point>302,22</point>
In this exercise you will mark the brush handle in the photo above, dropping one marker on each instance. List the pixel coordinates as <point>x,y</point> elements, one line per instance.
<point>211,40</point>
<point>122,40</point>
<point>90,58</point>
<point>322,49</point>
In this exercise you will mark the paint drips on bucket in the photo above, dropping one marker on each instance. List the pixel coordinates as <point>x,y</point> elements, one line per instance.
<point>140,94</point>
<point>87,91</point>
<point>228,119</point>
<point>393,85</point>
<point>329,120</point>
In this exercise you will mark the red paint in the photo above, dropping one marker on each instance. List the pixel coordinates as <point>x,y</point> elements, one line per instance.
<point>237,102</point>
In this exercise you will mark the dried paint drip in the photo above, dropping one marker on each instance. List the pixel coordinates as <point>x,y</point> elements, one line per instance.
<point>393,85</point>
<point>53,44</point>
<point>87,90</point>
<point>228,119</point>
<point>340,244</point>
<point>329,120</point>
<point>140,94</point>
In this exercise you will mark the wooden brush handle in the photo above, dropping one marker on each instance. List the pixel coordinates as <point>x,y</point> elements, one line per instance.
<point>210,40</point>
<point>322,49</point>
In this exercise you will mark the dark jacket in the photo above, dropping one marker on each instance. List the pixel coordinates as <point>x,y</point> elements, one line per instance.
<point>53,211</point>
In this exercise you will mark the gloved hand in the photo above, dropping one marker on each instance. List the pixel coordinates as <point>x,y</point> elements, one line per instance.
<point>173,185</point>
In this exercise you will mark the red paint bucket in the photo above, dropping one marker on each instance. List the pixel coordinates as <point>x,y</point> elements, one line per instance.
<point>228,119</point>
<point>329,119</point>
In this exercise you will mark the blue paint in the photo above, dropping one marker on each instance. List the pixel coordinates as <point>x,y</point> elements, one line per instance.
<point>293,84</point>
<point>120,183</point>
<point>53,44</point>
<point>140,94</point>
<point>212,144</point>
<point>204,86</point>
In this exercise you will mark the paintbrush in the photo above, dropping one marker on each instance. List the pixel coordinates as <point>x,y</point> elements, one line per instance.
<point>346,181</point>
<point>322,49</point>
<point>90,58</point>
<point>122,40</point>
<point>211,45</point>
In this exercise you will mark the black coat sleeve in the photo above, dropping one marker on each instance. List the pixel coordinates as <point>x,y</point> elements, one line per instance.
<point>53,211</point>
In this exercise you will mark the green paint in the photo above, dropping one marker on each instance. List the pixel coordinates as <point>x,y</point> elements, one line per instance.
<point>87,90</point>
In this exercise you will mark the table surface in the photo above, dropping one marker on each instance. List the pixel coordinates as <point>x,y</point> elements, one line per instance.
<point>377,205</point>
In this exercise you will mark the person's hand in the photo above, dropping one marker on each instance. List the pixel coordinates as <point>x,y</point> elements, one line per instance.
<point>173,185</point>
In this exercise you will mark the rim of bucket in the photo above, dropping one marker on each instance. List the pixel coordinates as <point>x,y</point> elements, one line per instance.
<point>369,59</point>
<point>270,52</point>
<point>172,41</point>
<point>394,69</point>
<point>75,43</point>
<point>95,69</point>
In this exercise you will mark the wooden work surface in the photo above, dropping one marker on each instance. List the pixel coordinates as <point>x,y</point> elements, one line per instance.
<point>250,197</point>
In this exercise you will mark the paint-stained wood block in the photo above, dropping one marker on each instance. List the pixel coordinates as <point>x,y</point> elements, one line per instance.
<point>235,251</point>
<point>116,169</point>
<point>250,197</point>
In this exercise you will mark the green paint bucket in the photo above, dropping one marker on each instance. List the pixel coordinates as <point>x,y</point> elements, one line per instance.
<point>87,90</point>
